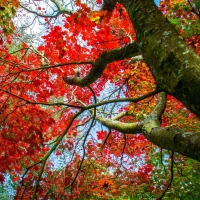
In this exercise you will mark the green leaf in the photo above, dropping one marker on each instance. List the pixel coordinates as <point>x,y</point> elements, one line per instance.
<point>5,30</point>
<point>13,11</point>
<point>198,4</point>
<point>176,22</point>
<point>187,8</point>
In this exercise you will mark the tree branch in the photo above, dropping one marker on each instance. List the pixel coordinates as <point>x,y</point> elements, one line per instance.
<point>99,65</point>
<point>65,11</point>
<point>51,151</point>
<point>121,126</point>
<point>175,139</point>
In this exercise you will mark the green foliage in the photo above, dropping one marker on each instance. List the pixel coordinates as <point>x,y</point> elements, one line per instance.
<point>7,189</point>
<point>198,4</point>
<point>7,12</point>
<point>176,22</point>
<point>184,15</point>
<point>186,180</point>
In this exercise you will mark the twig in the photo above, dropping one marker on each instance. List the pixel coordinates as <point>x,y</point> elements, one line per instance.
<point>172,176</point>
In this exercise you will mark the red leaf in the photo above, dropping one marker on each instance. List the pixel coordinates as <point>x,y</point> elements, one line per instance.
<point>2,178</point>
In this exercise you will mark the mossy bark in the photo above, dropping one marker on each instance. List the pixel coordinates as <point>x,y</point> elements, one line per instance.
<point>175,67</point>
<point>186,143</point>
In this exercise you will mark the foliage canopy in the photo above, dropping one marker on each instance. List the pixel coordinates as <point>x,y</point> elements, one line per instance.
<point>103,101</point>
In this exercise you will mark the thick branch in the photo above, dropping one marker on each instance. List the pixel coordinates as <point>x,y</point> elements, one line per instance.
<point>121,126</point>
<point>100,64</point>
<point>186,143</point>
<point>175,67</point>
<point>154,119</point>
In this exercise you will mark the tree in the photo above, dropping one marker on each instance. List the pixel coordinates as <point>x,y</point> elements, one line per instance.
<point>95,94</point>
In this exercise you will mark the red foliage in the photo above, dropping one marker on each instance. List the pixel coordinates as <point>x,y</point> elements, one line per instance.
<point>37,109</point>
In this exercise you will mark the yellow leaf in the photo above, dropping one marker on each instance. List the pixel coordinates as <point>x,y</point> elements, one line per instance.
<point>95,19</point>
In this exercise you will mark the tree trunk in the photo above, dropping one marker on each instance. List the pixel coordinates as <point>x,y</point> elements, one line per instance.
<point>175,67</point>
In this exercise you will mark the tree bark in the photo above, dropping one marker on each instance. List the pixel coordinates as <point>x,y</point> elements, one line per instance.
<point>175,67</point>
<point>185,143</point>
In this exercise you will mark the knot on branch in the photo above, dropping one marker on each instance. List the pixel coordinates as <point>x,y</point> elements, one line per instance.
<point>149,125</point>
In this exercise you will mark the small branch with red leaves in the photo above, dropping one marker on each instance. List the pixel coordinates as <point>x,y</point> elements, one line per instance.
<point>59,65</point>
<point>44,160</point>
<point>42,103</point>
<point>59,12</point>
<point>134,100</point>
<point>85,138</point>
